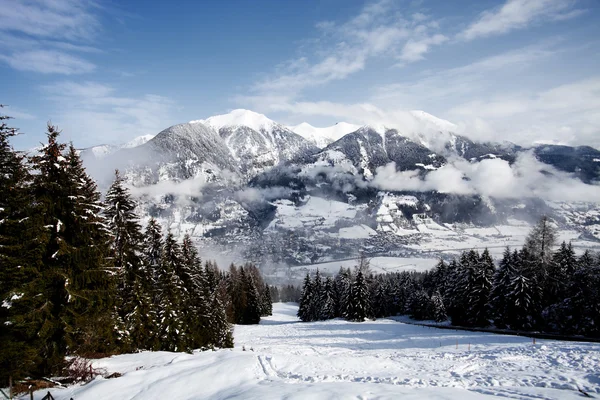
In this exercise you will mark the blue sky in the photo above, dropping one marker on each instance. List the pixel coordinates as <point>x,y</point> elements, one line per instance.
<point>106,72</point>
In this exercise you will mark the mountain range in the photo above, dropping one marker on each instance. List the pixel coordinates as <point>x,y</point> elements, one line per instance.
<point>243,184</point>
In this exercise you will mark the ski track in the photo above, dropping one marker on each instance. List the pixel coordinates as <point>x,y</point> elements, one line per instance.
<point>383,359</point>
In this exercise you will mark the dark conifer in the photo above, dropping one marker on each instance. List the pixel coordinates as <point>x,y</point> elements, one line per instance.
<point>21,229</point>
<point>358,307</point>
<point>306,299</point>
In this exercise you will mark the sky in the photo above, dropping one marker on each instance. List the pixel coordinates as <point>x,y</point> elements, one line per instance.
<point>105,72</point>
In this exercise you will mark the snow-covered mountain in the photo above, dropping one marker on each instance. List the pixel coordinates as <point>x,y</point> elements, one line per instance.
<point>369,148</point>
<point>321,137</point>
<point>257,142</point>
<point>243,184</point>
<point>103,150</point>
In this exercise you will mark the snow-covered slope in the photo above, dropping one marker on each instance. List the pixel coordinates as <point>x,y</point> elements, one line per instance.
<point>244,182</point>
<point>138,141</point>
<point>101,151</point>
<point>371,147</point>
<point>257,142</point>
<point>283,358</point>
<point>238,118</point>
<point>322,137</point>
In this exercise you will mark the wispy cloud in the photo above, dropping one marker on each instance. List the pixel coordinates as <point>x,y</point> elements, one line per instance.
<point>519,14</point>
<point>48,36</point>
<point>567,113</point>
<point>379,30</point>
<point>414,50</point>
<point>94,113</point>
<point>57,19</point>
<point>48,62</point>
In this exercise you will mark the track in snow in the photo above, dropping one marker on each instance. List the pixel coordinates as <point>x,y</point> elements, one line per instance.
<point>383,359</point>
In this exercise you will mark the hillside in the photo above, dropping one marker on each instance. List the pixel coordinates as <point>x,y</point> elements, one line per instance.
<point>383,359</point>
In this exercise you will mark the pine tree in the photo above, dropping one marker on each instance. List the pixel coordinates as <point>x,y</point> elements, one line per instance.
<point>306,299</point>
<point>267,301</point>
<point>238,297</point>
<point>421,306</point>
<point>317,294</point>
<point>196,300</point>
<point>482,285</point>
<point>560,271</point>
<point>74,287</point>
<point>133,288</point>
<point>458,294</point>
<point>439,310</point>
<point>358,302</point>
<point>21,229</point>
<point>524,294</point>
<point>342,292</point>
<point>152,248</point>
<point>92,284</point>
<point>498,306</point>
<point>219,332</point>
<point>252,311</point>
<point>539,245</point>
<point>171,291</point>
<point>327,309</point>
<point>583,303</point>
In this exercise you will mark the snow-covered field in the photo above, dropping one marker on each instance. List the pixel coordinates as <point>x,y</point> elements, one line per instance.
<point>285,359</point>
<point>378,265</point>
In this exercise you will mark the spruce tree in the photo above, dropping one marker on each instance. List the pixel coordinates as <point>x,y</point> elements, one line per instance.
<point>560,271</point>
<point>21,231</point>
<point>173,332</point>
<point>306,299</point>
<point>439,310</point>
<point>317,294</point>
<point>524,293</point>
<point>421,306</point>
<point>251,313</point>
<point>327,309</point>
<point>219,332</point>
<point>267,301</point>
<point>197,299</point>
<point>583,303</point>
<point>74,287</point>
<point>133,287</point>
<point>152,249</point>
<point>498,306</point>
<point>358,302</point>
<point>92,286</point>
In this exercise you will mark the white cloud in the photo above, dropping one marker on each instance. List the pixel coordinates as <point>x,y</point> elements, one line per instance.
<point>56,19</point>
<point>42,36</point>
<point>518,14</point>
<point>48,62</point>
<point>567,113</point>
<point>414,50</point>
<point>94,113</point>
<point>496,178</point>
<point>378,31</point>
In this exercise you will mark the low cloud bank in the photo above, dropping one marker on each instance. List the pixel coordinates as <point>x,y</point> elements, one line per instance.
<point>526,178</point>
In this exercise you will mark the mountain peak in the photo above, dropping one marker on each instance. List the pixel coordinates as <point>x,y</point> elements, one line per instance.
<point>239,117</point>
<point>321,137</point>
<point>430,119</point>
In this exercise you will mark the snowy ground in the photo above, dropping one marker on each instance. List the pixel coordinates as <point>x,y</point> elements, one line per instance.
<point>384,359</point>
<point>378,265</point>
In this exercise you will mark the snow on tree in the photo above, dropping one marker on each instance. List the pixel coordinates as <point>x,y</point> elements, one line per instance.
<point>21,228</point>
<point>358,307</point>
<point>306,299</point>
<point>438,308</point>
<point>327,301</point>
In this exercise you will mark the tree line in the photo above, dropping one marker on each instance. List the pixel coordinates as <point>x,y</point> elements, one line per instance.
<point>79,276</point>
<point>534,288</point>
